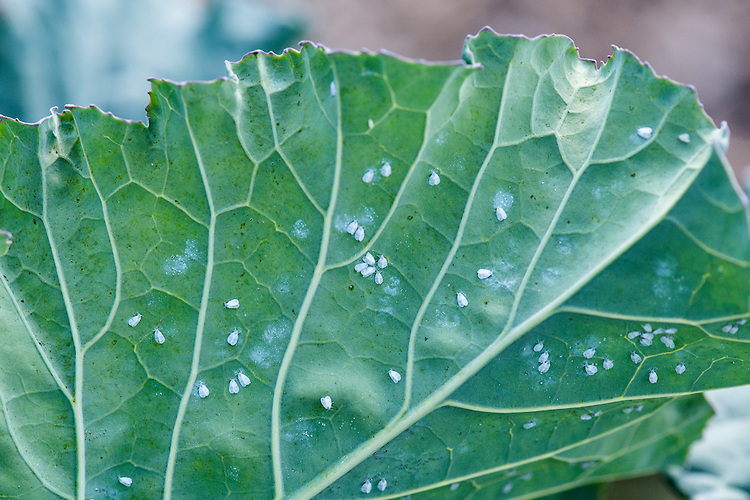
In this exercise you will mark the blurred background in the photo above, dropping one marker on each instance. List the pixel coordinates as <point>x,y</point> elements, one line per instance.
<point>57,52</point>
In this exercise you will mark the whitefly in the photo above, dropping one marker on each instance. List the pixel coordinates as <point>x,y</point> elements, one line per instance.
<point>539,346</point>
<point>366,487</point>
<point>369,259</point>
<point>590,369</point>
<point>680,368</point>
<point>434,179</point>
<point>461,299</point>
<point>589,353</point>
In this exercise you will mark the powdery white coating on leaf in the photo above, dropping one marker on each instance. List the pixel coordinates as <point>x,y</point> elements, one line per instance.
<point>158,336</point>
<point>668,341</point>
<point>369,259</point>
<point>359,234</point>
<point>434,179</point>
<point>608,364</point>
<point>233,337</point>
<point>133,321</point>
<point>652,377</point>
<point>544,367</point>
<point>179,264</point>
<point>544,357</point>
<point>125,481</point>
<point>635,357</point>
<point>500,214</point>
<point>395,376</point>
<point>483,274</point>
<point>360,267</point>
<point>461,300</point>
<point>590,369</point>
<point>366,487</point>
<point>326,402</point>
<point>539,346</point>
<point>369,271</point>
<point>351,228</point>
<point>232,304</point>
<point>378,278</point>
<point>233,387</point>
<point>244,379</point>
<point>386,170</point>
<point>644,132</point>
<point>382,484</point>
<point>300,229</point>
<point>382,262</point>
<point>680,369</point>
<point>203,391</point>
<point>684,137</point>
<point>368,176</point>
<point>529,424</point>
<point>589,353</point>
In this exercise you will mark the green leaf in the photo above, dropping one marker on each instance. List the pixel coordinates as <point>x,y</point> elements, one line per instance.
<point>245,188</point>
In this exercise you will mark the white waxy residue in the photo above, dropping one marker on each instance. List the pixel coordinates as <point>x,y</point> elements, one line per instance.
<point>589,353</point>
<point>203,391</point>
<point>232,304</point>
<point>684,137</point>
<point>434,179</point>
<point>125,481</point>
<point>233,387</point>
<point>483,274</point>
<point>644,132</point>
<point>590,369</point>
<point>386,170</point>
<point>382,484</point>
<point>158,336</point>
<point>366,487</point>
<point>133,321</point>
<point>500,214</point>
<point>368,176</point>
<point>244,379</point>
<point>395,376</point>
<point>326,402</point>
<point>680,369</point>
<point>233,337</point>
<point>652,377</point>
<point>461,300</point>
<point>359,234</point>
<point>351,228</point>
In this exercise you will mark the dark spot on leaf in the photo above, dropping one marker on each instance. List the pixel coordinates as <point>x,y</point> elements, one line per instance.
<point>632,175</point>
<point>351,287</point>
<point>409,217</point>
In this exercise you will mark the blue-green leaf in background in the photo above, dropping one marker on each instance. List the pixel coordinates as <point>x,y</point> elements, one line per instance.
<point>199,307</point>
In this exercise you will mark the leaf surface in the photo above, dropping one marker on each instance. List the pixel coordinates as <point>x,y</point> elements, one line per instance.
<point>123,347</point>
